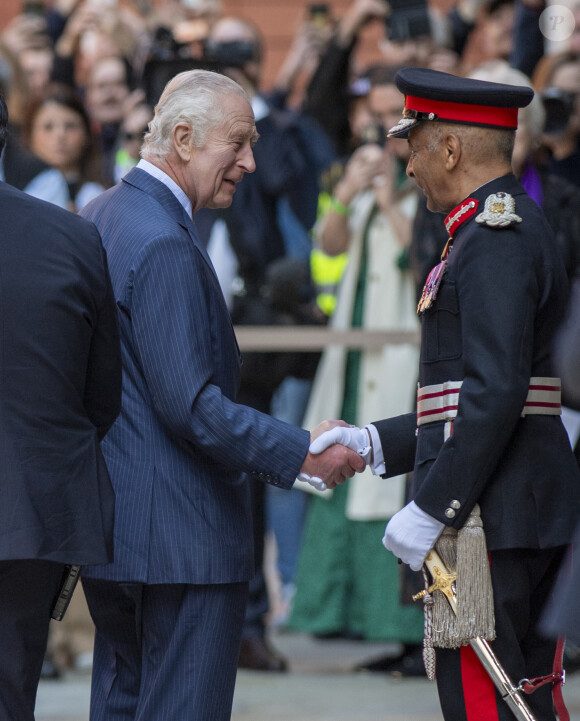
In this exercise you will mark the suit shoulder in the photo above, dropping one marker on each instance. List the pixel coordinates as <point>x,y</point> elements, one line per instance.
<point>25,209</point>
<point>130,206</point>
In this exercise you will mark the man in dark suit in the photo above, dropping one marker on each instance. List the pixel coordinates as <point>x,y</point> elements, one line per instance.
<point>60,372</point>
<point>487,429</point>
<point>169,610</point>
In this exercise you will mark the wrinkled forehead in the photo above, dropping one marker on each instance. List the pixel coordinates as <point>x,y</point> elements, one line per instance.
<point>238,117</point>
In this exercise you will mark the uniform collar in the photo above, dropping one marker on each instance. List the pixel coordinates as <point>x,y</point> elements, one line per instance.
<point>468,207</point>
<point>460,214</point>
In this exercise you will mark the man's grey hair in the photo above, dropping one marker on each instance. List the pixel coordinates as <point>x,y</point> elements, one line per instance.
<point>194,97</point>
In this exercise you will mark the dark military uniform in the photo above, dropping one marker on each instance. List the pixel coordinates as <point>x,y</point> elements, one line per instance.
<point>490,324</point>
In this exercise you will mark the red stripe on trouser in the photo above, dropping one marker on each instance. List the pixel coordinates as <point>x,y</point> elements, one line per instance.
<point>478,688</point>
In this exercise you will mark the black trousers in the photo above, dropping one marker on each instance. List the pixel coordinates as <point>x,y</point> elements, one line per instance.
<point>522,580</point>
<point>27,592</point>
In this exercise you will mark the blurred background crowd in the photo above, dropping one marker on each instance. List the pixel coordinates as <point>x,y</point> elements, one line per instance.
<point>328,230</point>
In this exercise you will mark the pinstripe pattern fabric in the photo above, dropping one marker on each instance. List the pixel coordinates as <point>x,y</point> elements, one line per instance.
<point>162,176</point>
<point>177,449</point>
<point>188,631</point>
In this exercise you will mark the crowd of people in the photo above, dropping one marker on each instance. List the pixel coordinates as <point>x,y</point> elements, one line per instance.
<point>327,227</point>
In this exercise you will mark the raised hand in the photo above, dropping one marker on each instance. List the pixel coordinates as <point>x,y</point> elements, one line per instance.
<point>357,16</point>
<point>364,165</point>
<point>24,32</point>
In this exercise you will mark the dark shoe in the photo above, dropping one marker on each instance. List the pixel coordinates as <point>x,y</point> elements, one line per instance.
<point>50,671</point>
<point>257,655</point>
<point>381,664</point>
<point>571,658</point>
<point>409,663</point>
<point>339,635</point>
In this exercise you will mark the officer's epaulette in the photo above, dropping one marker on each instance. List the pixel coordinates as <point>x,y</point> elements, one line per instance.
<point>498,211</point>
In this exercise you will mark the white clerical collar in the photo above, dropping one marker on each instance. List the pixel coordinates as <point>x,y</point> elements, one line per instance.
<point>162,176</point>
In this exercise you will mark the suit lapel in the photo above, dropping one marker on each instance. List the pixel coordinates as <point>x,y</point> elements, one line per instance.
<point>161,193</point>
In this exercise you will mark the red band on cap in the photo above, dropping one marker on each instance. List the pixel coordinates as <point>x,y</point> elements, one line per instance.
<point>462,112</point>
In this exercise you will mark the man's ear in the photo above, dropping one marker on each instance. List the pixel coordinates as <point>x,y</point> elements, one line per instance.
<point>182,141</point>
<point>452,147</point>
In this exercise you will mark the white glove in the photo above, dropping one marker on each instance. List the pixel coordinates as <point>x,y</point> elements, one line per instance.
<point>357,439</point>
<point>411,534</point>
<point>314,481</point>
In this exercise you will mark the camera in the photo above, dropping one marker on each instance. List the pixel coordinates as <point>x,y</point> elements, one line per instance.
<point>166,59</point>
<point>407,20</point>
<point>30,7</point>
<point>558,105</point>
<point>232,54</point>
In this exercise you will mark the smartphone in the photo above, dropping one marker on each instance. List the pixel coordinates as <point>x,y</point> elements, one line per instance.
<point>374,134</point>
<point>319,14</point>
<point>231,53</point>
<point>408,19</point>
<point>33,7</point>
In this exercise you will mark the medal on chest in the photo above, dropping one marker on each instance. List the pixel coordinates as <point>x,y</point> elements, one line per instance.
<point>457,216</point>
<point>432,286</point>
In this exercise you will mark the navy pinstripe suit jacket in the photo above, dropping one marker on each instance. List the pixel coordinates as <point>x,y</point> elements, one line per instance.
<point>179,451</point>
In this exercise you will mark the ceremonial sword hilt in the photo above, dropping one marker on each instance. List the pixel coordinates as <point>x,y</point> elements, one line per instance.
<point>443,581</point>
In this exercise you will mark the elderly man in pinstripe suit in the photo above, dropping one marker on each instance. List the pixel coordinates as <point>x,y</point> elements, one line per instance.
<point>169,610</point>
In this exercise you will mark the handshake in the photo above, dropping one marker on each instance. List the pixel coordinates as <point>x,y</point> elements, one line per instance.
<point>337,451</point>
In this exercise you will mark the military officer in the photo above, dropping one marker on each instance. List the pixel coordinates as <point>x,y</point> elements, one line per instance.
<point>487,429</point>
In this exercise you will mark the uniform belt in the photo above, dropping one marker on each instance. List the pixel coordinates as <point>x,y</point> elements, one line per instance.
<point>439,402</point>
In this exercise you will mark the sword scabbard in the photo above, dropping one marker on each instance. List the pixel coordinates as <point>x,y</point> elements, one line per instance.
<point>444,581</point>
